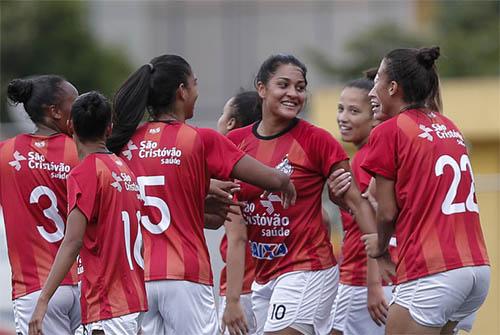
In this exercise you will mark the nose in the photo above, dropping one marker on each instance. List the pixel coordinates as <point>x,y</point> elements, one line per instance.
<point>292,91</point>
<point>341,116</point>
<point>372,94</point>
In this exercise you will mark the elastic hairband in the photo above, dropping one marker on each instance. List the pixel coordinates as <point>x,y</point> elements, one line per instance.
<point>151,67</point>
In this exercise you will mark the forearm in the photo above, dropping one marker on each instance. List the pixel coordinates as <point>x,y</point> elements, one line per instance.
<point>63,262</point>
<point>385,228</point>
<point>253,172</point>
<point>372,273</point>
<point>235,259</point>
<point>362,211</point>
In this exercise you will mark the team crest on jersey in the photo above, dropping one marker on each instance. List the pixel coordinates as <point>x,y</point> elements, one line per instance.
<point>40,144</point>
<point>16,163</point>
<point>154,130</point>
<point>116,184</point>
<point>285,166</point>
<point>128,152</point>
<point>426,133</point>
<point>268,204</point>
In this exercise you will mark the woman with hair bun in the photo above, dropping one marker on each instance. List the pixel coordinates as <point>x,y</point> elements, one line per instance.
<point>425,194</point>
<point>33,172</point>
<point>103,203</point>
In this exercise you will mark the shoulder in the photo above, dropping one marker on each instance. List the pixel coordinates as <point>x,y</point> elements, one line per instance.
<point>238,135</point>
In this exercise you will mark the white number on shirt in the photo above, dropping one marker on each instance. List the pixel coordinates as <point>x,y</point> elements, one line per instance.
<point>51,213</point>
<point>156,202</point>
<point>138,241</point>
<point>448,206</point>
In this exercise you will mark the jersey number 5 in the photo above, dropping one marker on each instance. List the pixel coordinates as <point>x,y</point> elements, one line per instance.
<point>448,206</point>
<point>162,206</point>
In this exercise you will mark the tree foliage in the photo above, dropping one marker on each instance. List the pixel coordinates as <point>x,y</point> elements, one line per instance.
<point>40,37</point>
<point>466,31</point>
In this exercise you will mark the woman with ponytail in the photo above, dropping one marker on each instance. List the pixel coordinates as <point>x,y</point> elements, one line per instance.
<point>425,194</point>
<point>173,163</point>
<point>33,172</point>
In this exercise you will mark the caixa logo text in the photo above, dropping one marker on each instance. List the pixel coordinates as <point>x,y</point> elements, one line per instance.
<point>268,251</point>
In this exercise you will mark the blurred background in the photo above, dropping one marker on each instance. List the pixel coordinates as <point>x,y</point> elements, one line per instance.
<point>97,44</point>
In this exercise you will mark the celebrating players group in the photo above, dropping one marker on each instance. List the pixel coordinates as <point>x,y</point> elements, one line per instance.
<point>105,205</point>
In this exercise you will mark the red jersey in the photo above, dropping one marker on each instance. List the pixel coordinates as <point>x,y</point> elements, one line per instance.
<point>106,192</point>
<point>174,163</point>
<point>438,227</point>
<point>249,274</point>
<point>33,172</point>
<point>294,239</point>
<point>353,268</point>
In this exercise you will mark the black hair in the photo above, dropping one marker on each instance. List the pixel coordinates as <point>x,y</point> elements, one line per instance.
<point>365,83</point>
<point>36,93</point>
<point>270,65</point>
<point>152,87</point>
<point>91,115</point>
<point>415,71</point>
<point>246,108</point>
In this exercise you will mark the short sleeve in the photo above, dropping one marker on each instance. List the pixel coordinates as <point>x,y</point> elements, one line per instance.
<point>381,156</point>
<point>220,153</point>
<point>325,151</point>
<point>81,190</point>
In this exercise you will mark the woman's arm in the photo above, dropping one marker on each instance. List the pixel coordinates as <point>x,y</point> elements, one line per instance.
<point>65,258</point>
<point>254,172</point>
<point>233,317</point>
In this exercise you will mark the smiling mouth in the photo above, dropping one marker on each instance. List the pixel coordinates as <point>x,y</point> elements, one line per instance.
<point>375,105</point>
<point>344,128</point>
<point>289,104</point>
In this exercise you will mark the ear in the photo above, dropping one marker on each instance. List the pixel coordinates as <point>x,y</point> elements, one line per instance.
<point>231,124</point>
<point>261,89</point>
<point>182,92</point>
<point>54,112</point>
<point>393,88</point>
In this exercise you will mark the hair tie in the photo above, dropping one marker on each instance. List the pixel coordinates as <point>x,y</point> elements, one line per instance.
<point>151,67</point>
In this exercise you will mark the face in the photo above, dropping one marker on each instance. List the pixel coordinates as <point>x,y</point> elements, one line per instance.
<point>354,116</point>
<point>226,122</point>
<point>285,93</point>
<point>382,95</point>
<point>191,95</point>
<point>62,110</point>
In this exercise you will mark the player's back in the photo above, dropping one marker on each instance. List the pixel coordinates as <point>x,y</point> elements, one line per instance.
<point>438,226</point>
<point>33,172</point>
<point>173,163</point>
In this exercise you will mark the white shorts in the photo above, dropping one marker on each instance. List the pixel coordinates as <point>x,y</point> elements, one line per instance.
<point>246,304</point>
<point>302,300</point>
<point>350,311</point>
<point>128,324</point>
<point>446,296</point>
<point>63,313</point>
<point>180,307</point>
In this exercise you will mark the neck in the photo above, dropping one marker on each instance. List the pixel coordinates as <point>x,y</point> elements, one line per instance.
<point>360,144</point>
<point>174,114</point>
<point>87,148</point>
<point>44,130</point>
<point>272,125</point>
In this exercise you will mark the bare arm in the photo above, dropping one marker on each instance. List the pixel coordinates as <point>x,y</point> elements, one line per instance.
<point>65,258</point>
<point>254,172</point>
<point>387,211</point>
<point>236,232</point>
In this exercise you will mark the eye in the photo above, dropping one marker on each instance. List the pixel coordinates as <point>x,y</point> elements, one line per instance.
<point>300,88</point>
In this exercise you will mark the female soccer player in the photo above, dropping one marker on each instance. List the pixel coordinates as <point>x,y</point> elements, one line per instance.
<point>241,110</point>
<point>33,171</point>
<point>174,163</point>
<point>358,296</point>
<point>296,272</point>
<point>103,226</point>
<point>425,193</point>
